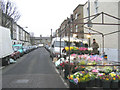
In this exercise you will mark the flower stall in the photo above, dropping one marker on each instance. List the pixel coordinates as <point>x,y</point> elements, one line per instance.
<point>82,69</point>
<point>90,71</point>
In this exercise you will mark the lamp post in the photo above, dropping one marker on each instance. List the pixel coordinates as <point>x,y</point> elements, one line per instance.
<point>89,36</point>
<point>51,35</point>
<point>89,22</point>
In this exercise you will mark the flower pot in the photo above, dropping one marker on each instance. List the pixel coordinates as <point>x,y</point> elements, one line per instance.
<point>91,83</point>
<point>106,84</point>
<point>119,83</point>
<point>98,83</point>
<point>72,85</point>
<point>114,84</point>
<point>66,72</point>
<point>82,85</point>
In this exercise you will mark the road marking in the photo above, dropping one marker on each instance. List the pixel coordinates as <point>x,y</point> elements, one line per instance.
<point>61,78</point>
<point>2,67</point>
<point>22,81</point>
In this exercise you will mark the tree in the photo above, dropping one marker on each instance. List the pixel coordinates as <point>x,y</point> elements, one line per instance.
<point>10,13</point>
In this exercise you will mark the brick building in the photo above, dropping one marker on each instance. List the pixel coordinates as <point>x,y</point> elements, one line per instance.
<point>74,25</point>
<point>40,40</point>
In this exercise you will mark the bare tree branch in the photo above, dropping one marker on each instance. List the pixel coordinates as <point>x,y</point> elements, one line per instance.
<point>9,10</point>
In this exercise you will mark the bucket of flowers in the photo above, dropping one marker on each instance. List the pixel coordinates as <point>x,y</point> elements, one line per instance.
<point>92,77</point>
<point>74,79</point>
<point>107,69</point>
<point>79,79</point>
<point>83,50</point>
<point>106,80</point>
<point>84,79</point>
<point>115,80</point>
<point>78,68</point>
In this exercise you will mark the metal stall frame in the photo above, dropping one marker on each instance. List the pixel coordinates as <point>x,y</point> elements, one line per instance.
<point>70,21</point>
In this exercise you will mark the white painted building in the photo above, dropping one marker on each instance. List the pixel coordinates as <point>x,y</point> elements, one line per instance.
<point>0,14</point>
<point>20,36</point>
<point>112,42</point>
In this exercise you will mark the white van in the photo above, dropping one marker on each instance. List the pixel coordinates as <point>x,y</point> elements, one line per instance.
<point>55,47</point>
<point>5,46</point>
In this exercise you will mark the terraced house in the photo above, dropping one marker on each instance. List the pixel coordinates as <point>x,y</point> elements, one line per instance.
<point>18,34</point>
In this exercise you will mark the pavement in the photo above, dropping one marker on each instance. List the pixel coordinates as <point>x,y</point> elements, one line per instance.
<point>33,70</point>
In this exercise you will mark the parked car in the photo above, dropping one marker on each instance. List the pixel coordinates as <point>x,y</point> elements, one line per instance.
<point>55,47</point>
<point>19,48</point>
<point>5,46</point>
<point>26,49</point>
<point>47,47</point>
<point>15,54</point>
<point>41,45</point>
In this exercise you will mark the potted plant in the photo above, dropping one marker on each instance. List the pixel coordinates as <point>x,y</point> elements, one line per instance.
<point>115,80</point>
<point>106,81</point>
<point>84,80</point>
<point>91,82</point>
<point>107,69</point>
<point>72,81</point>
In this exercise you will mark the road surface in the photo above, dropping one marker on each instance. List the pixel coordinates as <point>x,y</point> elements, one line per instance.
<point>33,70</point>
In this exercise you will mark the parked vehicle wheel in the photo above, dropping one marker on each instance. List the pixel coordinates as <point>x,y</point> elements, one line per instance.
<point>15,57</point>
<point>8,62</point>
<point>19,56</point>
<point>7,59</point>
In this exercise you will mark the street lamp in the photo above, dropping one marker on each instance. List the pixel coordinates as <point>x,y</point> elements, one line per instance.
<point>51,35</point>
<point>89,36</point>
<point>74,35</point>
<point>24,27</point>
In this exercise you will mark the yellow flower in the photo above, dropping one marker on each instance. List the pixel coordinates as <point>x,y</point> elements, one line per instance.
<point>71,76</point>
<point>71,48</point>
<point>66,48</point>
<point>78,79</point>
<point>107,79</point>
<point>103,73</point>
<point>89,63</point>
<point>119,77</point>
<point>112,74</point>
<point>113,78</point>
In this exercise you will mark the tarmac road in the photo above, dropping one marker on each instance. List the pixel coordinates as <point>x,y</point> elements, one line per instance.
<point>33,70</point>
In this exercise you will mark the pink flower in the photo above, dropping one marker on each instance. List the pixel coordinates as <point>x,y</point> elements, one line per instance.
<point>95,70</point>
<point>81,49</point>
<point>76,67</point>
<point>73,55</point>
<point>79,56</point>
<point>100,59</point>
<point>66,61</point>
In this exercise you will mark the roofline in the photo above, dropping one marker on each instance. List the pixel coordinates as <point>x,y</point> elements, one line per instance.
<point>22,29</point>
<point>86,3</point>
<point>63,22</point>
<point>78,6</point>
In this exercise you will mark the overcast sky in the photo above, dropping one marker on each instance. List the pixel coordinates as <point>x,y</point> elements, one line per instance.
<point>40,16</point>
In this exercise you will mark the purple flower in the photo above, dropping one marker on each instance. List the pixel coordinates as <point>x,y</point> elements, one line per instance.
<point>86,71</point>
<point>76,80</point>
<point>116,76</point>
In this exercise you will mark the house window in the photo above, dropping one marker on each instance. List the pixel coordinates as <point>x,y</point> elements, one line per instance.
<point>96,6</point>
<point>76,16</point>
<point>71,29</point>
<point>76,28</point>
